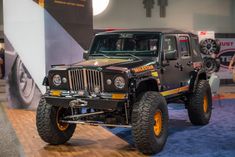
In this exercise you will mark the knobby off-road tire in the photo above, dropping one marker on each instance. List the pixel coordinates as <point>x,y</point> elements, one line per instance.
<point>49,128</point>
<point>200,104</point>
<point>150,123</point>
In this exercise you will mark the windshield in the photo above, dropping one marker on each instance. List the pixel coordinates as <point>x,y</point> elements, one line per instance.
<point>126,43</point>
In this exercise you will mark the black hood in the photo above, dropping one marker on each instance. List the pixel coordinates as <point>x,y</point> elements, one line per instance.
<point>110,63</point>
<point>115,62</point>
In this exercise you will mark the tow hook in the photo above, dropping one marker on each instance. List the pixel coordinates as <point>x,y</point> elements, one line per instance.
<point>78,103</point>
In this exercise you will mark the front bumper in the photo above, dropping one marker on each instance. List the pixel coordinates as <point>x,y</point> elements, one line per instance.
<point>93,103</point>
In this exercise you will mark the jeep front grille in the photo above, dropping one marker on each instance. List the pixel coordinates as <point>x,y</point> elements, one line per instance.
<point>85,79</point>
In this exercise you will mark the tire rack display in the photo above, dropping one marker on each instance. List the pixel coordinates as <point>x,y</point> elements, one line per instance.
<point>209,46</point>
<point>209,49</point>
<point>211,64</point>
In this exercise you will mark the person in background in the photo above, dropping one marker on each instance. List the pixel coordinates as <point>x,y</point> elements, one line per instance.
<point>2,67</point>
<point>232,67</point>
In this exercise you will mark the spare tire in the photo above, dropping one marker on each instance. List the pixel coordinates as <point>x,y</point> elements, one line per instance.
<point>211,65</point>
<point>217,65</point>
<point>209,46</point>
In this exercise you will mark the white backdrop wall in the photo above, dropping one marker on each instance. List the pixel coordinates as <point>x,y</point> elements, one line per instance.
<point>1,15</point>
<point>24,28</point>
<point>217,15</point>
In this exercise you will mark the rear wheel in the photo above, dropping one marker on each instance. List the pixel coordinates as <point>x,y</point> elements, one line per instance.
<point>150,123</point>
<point>49,126</point>
<point>200,104</point>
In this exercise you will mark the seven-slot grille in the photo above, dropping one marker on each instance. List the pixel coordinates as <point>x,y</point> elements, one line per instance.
<point>85,79</point>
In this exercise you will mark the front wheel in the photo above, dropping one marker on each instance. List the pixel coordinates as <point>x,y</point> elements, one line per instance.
<point>200,104</point>
<point>49,127</point>
<point>150,123</point>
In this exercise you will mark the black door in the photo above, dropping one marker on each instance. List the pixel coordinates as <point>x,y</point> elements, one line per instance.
<point>185,59</point>
<point>169,72</point>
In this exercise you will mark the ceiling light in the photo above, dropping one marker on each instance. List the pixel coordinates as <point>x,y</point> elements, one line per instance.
<point>99,6</point>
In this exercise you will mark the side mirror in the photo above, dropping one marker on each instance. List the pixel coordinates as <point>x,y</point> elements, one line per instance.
<point>171,55</point>
<point>85,55</point>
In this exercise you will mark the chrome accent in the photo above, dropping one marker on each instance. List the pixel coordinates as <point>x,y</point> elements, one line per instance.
<point>70,80</point>
<point>102,82</point>
<point>85,79</point>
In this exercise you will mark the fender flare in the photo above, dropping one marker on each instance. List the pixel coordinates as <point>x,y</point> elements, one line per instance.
<point>195,77</point>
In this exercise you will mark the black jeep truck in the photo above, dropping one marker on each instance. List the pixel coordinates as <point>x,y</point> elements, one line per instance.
<point>127,80</point>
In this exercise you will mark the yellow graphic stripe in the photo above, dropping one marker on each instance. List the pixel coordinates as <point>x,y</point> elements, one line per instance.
<point>175,91</point>
<point>41,3</point>
<point>143,68</point>
<point>69,3</point>
<point>155,74</point>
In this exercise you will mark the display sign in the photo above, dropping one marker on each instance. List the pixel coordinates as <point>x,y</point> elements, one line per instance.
<point>205,35</point>
<point>227,51</point>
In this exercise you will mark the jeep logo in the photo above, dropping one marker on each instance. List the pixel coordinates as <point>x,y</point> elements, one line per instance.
<point>225,57</point>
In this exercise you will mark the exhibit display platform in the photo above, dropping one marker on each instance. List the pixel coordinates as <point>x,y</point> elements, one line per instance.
<point>217,138</point>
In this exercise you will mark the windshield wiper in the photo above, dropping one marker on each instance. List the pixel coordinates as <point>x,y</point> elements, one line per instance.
<point>100,54</point>
<point>123,54</point>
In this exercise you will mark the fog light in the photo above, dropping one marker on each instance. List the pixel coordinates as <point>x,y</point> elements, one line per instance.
<point>81,93</point>
<point>109,82</point>
<point>97,89</point>
<point>64,80</point>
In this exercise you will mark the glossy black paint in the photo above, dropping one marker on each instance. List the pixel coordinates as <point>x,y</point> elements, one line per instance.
<point>172,73</point>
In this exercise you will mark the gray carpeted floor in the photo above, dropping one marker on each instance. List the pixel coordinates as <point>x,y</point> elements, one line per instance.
<point>9,144</point>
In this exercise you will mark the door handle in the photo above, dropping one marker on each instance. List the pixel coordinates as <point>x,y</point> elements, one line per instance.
<point>179,66</point>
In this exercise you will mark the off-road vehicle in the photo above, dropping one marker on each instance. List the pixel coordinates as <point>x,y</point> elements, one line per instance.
<point>127,80</point>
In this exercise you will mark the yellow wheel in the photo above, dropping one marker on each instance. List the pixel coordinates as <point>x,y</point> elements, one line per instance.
<point>49,126</point>
<point>205,104</point>
<point>61,126</point>
<point>150,122</point>
<point>158,123</point>
<point>200,104</point>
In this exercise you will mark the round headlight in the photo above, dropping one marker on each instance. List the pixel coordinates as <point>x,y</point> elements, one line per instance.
<point>57,80</point>
<point>119,82</point>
